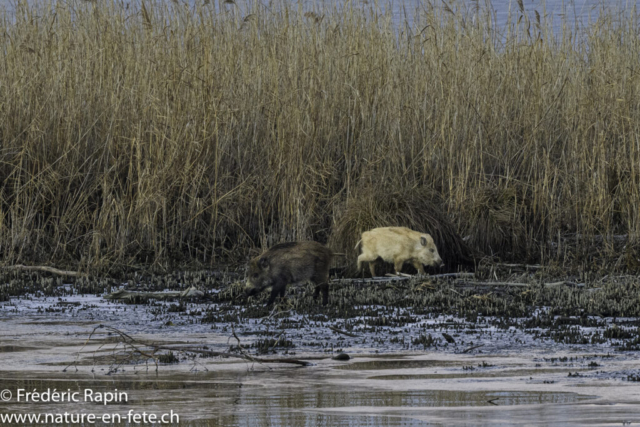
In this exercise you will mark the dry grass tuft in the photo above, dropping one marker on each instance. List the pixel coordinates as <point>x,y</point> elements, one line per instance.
<point>494,222</point>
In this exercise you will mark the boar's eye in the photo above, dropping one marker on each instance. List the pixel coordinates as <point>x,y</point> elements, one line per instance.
<point>432,250</point>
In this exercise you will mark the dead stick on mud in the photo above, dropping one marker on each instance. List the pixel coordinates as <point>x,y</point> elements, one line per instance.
<point>514,284</point>
<point>237,356</point>
<point>45,269</point>
<point>437,276</point>
<point>241,349</point>
<point>136,346</point>
<point>126,341</point>
<point>454,291</point>
<point>131,342</point>
<point>340,331</point>
<point>402,277</point>
<point>525,266</point>
<point>472,348</point>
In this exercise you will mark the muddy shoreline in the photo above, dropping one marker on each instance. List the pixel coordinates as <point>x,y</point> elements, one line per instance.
<point>436,352</point>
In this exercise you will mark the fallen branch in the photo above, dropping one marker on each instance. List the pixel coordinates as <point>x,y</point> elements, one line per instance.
<point>431,276</point>
<point>137,347</point>
<point>125,294</point>
<point>371,280</point>
<point>472,348</point>
<point>399,275</point>
<point>452,275</point>
<point>524,266</point>
<point>340,331</point>
<point>246,356</point>
<point>45,269</point>
<point>465,283</point>
<point>402,277</point>
<point>127,341</point>
<point>514,284</point>
<point>235,355</point>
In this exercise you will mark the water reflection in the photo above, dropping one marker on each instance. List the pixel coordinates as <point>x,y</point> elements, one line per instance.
<point>247,399</point>
<point>398,364</point>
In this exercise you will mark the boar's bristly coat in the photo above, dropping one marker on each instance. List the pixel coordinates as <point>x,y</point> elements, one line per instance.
<point>290,263</point>
<point>398,245</point>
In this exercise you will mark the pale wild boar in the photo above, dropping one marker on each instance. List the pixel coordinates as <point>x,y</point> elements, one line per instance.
<point>290,263</point>
<point>398,245</point>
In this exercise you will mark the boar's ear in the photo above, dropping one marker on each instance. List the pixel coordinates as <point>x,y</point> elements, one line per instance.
<point>423,241</point>
<point>263,263</point>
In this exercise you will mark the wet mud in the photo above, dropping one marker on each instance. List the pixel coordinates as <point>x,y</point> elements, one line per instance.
<point>420,352</point>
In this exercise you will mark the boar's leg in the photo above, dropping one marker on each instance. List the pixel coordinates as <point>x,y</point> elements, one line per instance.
<point>277,289</point>
<point>363,258</point>
<point>325,293</point>
<point>324,287</point>
<point>419,267</point>
<point>367,256</point>
<point>372,268</point>
<point>398,265</point>
<point>322,284</point>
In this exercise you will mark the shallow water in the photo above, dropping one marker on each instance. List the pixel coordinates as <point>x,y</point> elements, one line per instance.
<point>231,394</point>
<point>244,398</point>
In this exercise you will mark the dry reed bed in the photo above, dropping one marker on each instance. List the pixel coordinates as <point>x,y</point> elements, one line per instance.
<point>169,135</point>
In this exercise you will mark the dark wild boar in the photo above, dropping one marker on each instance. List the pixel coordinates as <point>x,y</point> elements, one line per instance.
<point>290,263</point>
<point>398,245</point>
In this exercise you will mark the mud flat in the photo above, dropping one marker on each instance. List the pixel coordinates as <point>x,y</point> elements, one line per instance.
<point>435,354</point>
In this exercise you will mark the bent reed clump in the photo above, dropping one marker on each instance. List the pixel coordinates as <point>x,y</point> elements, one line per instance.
<point>167,135</point>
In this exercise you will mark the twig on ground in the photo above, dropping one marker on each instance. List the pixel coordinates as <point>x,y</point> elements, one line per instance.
<point>127,340</point>
<point>515,284</point>
<point>45,269</point>
<point>340,331</point>
<point>437,276</point>
<point>149,350</point>
<point>402,277</point>
<point>211,353</point>
<point>524,266</point>
<point>126,294</point>
<point>467,350</point>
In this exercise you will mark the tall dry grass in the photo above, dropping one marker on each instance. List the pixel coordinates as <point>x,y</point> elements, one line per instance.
<point>167,135</point>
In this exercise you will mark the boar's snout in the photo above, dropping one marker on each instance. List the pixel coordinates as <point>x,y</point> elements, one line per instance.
<point>435,262</point>
<point>250,289</point>
<point>258,277</point>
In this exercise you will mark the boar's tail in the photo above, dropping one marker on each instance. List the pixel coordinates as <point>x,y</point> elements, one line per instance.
<point>358,244</point>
